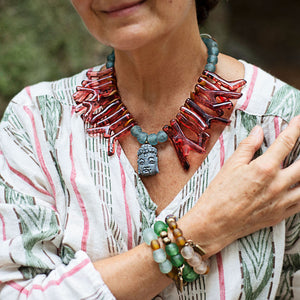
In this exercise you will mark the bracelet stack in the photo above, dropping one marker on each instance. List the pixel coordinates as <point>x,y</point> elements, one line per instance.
<point>180,260</point>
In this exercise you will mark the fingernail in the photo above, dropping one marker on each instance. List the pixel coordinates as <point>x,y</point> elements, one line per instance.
<point>255,130</point>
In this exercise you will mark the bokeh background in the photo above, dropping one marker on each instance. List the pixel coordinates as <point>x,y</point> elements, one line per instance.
<point>46,40</point>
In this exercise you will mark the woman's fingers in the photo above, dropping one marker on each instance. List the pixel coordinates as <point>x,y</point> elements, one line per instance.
<point>284,143</point>
<point>247,148</point>
<point>291,175</point>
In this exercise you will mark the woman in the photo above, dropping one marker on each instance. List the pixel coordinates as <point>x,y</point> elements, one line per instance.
<point>72,216</point>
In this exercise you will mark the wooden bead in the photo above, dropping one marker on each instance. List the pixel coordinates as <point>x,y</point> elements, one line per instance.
<point>180,241</point>
<point>155,245</point>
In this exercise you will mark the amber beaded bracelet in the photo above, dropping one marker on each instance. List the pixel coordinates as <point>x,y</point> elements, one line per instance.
<point>184,264</point>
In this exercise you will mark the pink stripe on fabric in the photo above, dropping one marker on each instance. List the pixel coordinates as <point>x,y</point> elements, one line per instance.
<point>221,276</point>
<point>86,225</point>
<point>27,292</point>
<point>28,91</point>
<point>3,227</point>
<point>128,217</point>
<point>276,126</point>
<point>39,151</point>
<point>251,88</point>
<point>26,179</point>
<point>219,255</point>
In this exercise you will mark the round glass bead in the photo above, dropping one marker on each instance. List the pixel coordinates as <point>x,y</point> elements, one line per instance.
<point>187,252</point>
<point>166,267</point>
<point>109,64</point>
<point>202,268</point>
<point>188,274</point>
<point>177,232</point>
<point>155,245</point>
<point>111,56</point>
<point>180,241</point>
<point>135,130</point>
<point>210,67</point>
<point>160,226</point>
<point>170,218</point>
<point>213,59</point>
<point>152,139</point>
<point>209,42</point>
<point>177,260</point>
<point>142,137</point>
<point>149,235</point>
<point>213,51</point>
<point>162,136</point>
<point>159,255</point>
<point>172,225</point>
<point>172,249</point>
<point>195,260</point>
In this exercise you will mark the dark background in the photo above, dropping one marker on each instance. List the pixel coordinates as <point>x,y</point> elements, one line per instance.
<point>46,40</point>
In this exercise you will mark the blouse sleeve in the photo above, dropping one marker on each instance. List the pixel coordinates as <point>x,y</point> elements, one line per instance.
<point>34,262</point>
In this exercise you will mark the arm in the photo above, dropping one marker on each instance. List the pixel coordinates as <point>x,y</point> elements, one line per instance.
<point>134,275</point>
<point>253,194</point>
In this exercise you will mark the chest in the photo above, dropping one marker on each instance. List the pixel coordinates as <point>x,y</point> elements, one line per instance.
<point>172,178</point>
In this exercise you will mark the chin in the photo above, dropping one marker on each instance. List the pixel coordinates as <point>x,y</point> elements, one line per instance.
<point>128,39</point>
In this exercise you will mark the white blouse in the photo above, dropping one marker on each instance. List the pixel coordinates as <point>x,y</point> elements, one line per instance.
<point>65,203</point>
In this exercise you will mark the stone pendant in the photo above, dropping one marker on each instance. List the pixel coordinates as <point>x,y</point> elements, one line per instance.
<point>147,160</point>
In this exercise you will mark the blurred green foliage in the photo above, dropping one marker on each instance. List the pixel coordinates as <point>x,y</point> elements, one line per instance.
<point>41,40</point>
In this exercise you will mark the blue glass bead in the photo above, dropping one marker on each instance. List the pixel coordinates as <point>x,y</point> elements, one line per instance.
<point>142,137</point>
<point>111,57</point>
<point>210,67</point>
<point>213,51</point>
<point>188,274</point>
<point>162,137</point>
<point>165,267</point>
<point>172,249</point>
<point>177,260</point>
<point>160,226</point>
<point>212,59</point>
<point>159,255</point>
<point>149,235</point>
<point>209,42</point>
<point>152,139</point>
<point>135,130</point>
<point>109,64</point>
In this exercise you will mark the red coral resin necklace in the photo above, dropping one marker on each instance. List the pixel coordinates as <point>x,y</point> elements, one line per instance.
<point>100,106</point>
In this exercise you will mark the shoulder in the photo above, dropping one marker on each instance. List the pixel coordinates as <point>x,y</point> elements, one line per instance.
<point>268,96</point>
<point>54,94</point>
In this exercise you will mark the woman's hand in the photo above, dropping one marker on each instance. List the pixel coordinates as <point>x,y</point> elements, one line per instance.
<point>247,195</point>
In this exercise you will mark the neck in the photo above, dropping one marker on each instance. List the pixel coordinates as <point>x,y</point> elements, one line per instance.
<point>166,69</point>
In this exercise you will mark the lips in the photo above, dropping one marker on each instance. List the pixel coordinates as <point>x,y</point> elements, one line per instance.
<point>124,6</point>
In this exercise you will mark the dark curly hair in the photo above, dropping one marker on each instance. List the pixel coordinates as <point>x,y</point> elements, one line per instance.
<point>203,9</point>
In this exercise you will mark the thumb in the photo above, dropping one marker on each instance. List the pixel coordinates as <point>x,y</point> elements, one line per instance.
<point>248,146</point>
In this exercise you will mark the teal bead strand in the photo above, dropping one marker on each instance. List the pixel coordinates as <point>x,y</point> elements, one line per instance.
<point>136,130</point>
<point>162,136</point>
<point>153,138</point>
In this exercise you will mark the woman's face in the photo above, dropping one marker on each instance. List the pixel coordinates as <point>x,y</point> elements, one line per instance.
<point>130,24</point>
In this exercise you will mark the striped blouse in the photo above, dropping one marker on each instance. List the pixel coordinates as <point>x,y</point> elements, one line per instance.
<point>65,203</point>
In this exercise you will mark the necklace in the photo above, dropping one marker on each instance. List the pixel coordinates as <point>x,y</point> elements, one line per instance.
<point>100,106</point>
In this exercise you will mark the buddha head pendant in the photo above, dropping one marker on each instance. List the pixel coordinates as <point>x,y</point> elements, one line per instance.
<point>147,160</point>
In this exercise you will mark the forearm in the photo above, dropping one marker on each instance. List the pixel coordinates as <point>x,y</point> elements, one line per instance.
<point>133,274</point>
